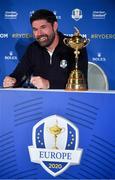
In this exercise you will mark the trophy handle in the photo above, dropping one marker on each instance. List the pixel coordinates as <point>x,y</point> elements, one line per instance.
<point>63,129</point>
<point>66,40</point>
<point>77,32</point>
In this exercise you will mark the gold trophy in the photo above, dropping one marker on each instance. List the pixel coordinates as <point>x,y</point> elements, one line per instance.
<point>76,79</point>
<point>56,130</point>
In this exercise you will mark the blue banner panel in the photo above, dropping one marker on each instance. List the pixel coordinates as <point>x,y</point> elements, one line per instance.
<point>57,134</point>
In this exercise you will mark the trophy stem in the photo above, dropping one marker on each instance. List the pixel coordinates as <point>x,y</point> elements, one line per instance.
<point>76,63</point>
<point>55,147</point>
<point>76,52</point>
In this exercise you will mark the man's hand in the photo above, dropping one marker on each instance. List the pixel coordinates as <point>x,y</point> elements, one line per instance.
<point>40,82</point>
<point>9,82</point>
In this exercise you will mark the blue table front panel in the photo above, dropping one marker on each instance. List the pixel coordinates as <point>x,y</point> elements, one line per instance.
<point>92,113</point>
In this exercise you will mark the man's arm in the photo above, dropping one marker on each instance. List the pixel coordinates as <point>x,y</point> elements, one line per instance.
<point>20,73</point>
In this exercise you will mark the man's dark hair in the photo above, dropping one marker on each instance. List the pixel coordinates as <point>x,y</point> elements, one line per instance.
<point>43,14</point>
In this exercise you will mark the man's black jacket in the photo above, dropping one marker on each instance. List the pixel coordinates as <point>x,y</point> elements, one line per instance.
<point>37,62</point>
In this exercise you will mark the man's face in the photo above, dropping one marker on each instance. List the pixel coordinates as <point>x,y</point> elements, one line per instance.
<point>44,32</point>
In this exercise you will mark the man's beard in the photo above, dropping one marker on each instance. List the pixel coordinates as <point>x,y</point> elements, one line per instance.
<point>47,40</point>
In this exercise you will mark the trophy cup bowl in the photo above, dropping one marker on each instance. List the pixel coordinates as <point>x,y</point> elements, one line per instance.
<point>76,80</point>
<point>55,130</point>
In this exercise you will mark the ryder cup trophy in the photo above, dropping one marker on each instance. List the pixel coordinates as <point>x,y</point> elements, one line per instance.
<point>76,79</point>
<point>56,130</point>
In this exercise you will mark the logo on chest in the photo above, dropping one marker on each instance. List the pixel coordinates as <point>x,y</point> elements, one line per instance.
<point>63,63</point>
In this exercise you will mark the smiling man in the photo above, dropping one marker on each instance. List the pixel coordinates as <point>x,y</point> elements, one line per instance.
<point>47,61</point>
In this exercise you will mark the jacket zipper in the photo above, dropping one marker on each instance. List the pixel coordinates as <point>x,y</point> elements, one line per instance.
<point>50,53</point>
<point>50,60</point>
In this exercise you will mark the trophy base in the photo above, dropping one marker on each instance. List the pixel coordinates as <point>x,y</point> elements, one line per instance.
<point>54,147</point>
<point>76,81</point>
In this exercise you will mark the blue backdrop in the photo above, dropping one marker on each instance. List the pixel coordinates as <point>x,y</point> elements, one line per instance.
<point>95,19</point>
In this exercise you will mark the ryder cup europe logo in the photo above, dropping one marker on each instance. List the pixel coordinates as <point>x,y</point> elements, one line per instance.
<point>55,144</point>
